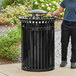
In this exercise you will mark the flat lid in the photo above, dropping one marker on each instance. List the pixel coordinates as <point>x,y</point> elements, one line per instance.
<point>37,12</point>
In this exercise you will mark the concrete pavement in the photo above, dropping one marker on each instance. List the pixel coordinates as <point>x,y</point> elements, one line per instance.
<point>15,70</point>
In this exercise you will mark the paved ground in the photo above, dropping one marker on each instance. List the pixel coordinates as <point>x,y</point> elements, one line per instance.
<point>15,69</point>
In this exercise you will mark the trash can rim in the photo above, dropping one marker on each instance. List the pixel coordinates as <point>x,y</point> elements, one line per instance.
<point>24,18</point>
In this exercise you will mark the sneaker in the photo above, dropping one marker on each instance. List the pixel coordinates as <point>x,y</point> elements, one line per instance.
<point>63,64</point>
<point>73,65</point>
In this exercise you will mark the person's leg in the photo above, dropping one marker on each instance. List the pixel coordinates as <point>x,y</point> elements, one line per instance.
<point>65,35</point>
<point>73,44</point>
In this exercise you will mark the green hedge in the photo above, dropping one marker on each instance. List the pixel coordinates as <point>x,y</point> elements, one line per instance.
<point>9,44</point>
<point>4,3</point>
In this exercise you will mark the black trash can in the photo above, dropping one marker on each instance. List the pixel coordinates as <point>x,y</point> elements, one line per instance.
<point>37,42</point>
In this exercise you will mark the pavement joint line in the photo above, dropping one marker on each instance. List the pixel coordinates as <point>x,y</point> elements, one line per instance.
<point>3,73</point>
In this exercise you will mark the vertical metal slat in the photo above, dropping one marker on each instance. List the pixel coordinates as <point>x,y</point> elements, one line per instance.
<point>35,38</point>
<point>41,54</point>
<point>38,48</point>
<point>44,45</point>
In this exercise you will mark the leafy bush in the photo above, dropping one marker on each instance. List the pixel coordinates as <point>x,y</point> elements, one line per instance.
<point>9,44</point>
<point>14,12</point>
<point>48,5</point>
<point>3,19</point>
<point>4,3</point>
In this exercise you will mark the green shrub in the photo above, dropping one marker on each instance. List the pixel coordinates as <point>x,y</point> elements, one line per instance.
<point>3,19</point>
<point>14,12</point>
<point>47,5</point>
<point>4,3</point>
<point>9,44</point>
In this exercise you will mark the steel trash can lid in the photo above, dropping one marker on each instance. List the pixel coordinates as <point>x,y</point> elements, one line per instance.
<point>37,12</point>
<point>35,17</point>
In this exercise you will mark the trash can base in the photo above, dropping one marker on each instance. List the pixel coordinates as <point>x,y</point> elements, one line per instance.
<point>39,70</point>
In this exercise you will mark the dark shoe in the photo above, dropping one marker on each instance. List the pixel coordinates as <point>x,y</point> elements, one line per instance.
<point>73,65</point>
<point>63,64</point>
